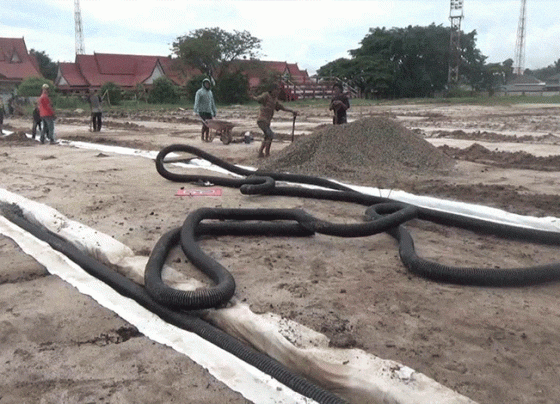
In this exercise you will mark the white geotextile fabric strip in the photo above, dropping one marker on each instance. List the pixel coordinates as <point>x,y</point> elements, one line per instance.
<point>233,372</point>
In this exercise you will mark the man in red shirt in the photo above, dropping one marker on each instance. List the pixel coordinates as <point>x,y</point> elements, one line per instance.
<point>46,112</point>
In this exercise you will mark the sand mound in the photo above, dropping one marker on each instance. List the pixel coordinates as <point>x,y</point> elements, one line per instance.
<point>369,151</point>
<point>18,137</point>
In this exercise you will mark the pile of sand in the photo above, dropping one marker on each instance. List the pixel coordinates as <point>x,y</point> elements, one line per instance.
<point>17,138</point>
<point>372,151</point>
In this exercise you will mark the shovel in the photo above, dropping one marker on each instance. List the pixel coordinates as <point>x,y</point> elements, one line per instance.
<point>293,127</point>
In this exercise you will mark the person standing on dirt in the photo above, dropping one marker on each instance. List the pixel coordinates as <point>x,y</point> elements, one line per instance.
<point>205,107</point>
<point>269,104</point>
<point>37,122</point>
<point>2,112</point>
<point>96,103</point>
<point>339,105</point>
<point>47,115</point>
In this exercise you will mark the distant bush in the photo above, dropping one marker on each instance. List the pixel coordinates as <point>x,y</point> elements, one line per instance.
<point>112,93</point>
<point>232,89</point>
<point>68,102</point>
<point>163,91</point>
<point>32,86</point>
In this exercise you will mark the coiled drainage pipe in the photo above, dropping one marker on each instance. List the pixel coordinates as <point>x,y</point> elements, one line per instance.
<point>305,225</point>
<point>187,321</point>
<point>266,183</point>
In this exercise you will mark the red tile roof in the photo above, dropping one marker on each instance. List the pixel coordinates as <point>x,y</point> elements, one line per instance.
<point>257,70</point>
<point>124,70</point>
<point>129,70</point>
<point>15,62</point>
<point>71,75</point>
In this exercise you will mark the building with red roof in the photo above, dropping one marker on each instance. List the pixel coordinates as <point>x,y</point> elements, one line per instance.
<point>258,70</point>
<point>16,64</point>
<point>126,71</point>
<point>296,82</point>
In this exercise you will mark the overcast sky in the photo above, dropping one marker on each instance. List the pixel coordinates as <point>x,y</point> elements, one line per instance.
<point>308,32</point>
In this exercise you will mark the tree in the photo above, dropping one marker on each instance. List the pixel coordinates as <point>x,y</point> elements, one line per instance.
<point>32,86</point>
<point>406,62</point>
<point>494,76</point>
<point>163,91</point>
<point>232,88</point>
<point>473,66</point>
<point>372,75</point>
<point>47,67</point>
<point>211,50</point>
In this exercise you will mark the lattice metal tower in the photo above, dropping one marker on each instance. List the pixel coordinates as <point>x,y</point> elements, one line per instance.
<point>80,49</point>
<point>519,66</point>
<point>455,16</point>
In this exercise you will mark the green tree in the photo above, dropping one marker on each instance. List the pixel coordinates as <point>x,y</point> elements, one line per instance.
<point>496,75</point>
<point>372,75</point>
<point>112,93</point>
<point>406,62</point>
<point>163,91</point>
<point>47,67</point>
<point>473,67</point>
<point>211,50</point>
<point>32,86</point>
<point>417,57</point>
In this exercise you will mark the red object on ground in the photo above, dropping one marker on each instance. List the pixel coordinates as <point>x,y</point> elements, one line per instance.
<point>199,192</point>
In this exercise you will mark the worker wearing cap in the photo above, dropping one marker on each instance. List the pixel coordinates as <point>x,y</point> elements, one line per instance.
<point>205,107</point>
<point>46,112</point>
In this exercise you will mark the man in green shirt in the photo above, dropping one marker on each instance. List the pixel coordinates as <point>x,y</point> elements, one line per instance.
<point>205,107</point>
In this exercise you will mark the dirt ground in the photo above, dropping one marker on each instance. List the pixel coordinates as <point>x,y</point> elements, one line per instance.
<point>493,345</point>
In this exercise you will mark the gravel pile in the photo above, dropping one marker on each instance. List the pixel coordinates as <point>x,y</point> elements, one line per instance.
<point>17,138</point>
<point>374,150</point>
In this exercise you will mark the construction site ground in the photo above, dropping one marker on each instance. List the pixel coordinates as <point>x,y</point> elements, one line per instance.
<point>494,345</point>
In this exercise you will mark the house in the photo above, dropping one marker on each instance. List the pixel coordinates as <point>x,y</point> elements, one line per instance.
<point>524,85</point>
<point>16,65</point>
<point>129,71</point>
<point>126,71</point>
<point>297,83</point>
<point>553,84</point>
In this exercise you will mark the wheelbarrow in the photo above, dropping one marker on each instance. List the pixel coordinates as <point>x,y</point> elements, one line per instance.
<point>220,128</point>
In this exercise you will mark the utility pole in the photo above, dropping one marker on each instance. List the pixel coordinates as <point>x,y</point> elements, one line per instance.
<point>519,67</point>
<point>80,49</point>
<point>455,16</point>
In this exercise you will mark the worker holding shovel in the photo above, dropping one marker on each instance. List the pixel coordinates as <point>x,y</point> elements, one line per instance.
<point>269,104</point>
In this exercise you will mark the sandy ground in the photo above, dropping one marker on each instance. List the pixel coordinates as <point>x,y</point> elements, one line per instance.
<point>492,345</point>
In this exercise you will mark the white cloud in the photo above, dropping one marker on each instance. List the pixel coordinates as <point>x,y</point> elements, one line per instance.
<point>309,32</point>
